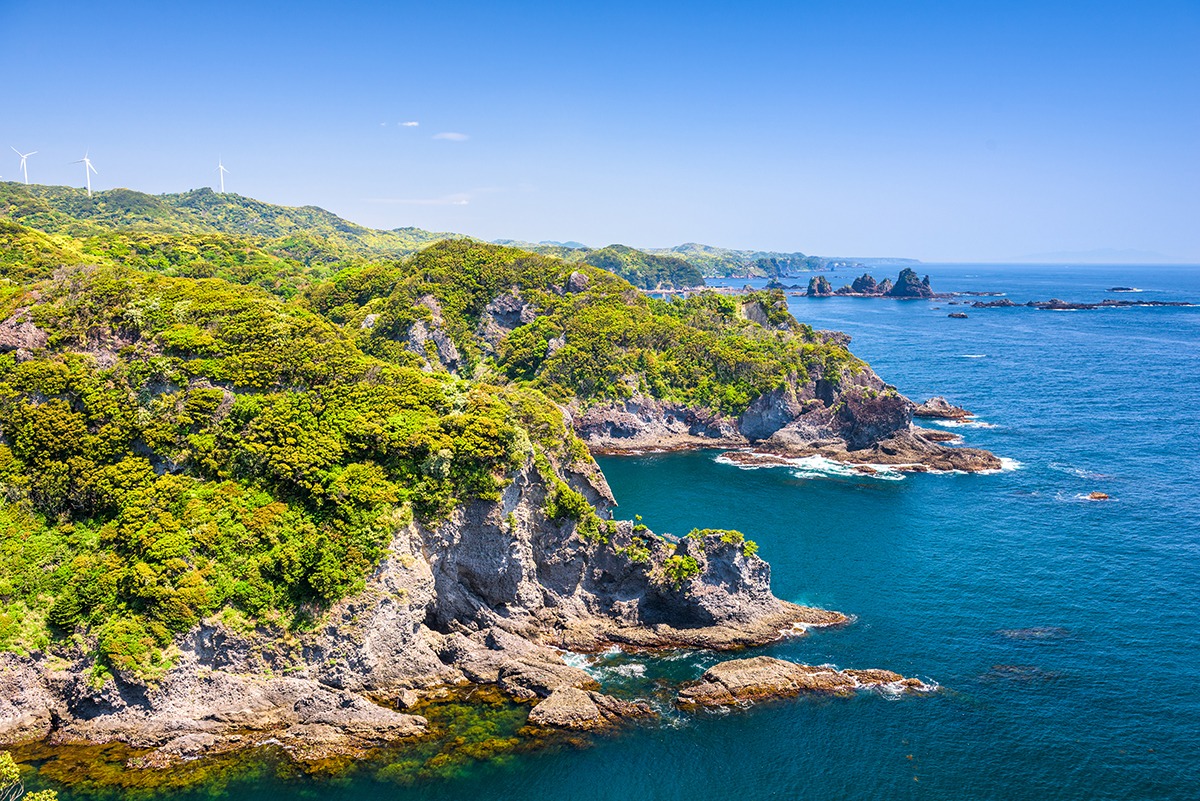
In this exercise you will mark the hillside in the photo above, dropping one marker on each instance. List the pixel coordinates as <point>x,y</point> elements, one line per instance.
<point>209,228</point>
<point>240,491</point>
<point>60,209</point>
<point>681,266</point>
<point>641,268</point>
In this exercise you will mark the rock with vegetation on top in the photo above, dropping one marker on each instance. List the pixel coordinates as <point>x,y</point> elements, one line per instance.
<point>908,285</point>
<point>819,287</point>
<point>865,285</point>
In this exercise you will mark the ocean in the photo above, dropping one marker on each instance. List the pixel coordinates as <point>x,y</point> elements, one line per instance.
<point>1063,633</point>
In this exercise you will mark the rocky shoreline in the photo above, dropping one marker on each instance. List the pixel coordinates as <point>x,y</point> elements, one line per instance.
<point>490,597</point>
<point>494,594</point>
<point>740,681</point>
<point>863,423</point>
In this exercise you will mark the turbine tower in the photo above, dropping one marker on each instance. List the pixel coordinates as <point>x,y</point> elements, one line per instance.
<point>88,169</point>
<point>24,168</point>
<point>221,169</point>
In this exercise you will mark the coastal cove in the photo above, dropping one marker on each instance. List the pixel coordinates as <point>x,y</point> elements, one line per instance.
<point>1060,631</point>
<point>622,402</point>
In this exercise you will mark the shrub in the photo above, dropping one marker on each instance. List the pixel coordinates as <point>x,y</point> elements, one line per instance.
<point>678,569</point>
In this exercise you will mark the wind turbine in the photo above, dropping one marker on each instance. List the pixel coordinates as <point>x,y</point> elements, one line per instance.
<point>221,169</point>
<point>24,156</point>
<point>88,169</point>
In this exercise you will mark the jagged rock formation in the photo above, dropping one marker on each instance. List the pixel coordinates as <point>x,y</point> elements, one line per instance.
<point>851,417</point>
<point>495,574</point>
<point>909,286</point>
<point>819,287</point>
<point>428,338</point>
<point>865,285</point>
<point>19,333</point>
<point>738,681</point>
<point>486,597</point>
<point>938,408</point>
<point>572,708</point>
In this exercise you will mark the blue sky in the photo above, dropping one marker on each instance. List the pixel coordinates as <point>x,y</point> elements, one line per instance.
<point>942,131</point>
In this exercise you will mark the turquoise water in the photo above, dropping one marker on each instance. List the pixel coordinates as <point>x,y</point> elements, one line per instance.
<point>1063,632</point>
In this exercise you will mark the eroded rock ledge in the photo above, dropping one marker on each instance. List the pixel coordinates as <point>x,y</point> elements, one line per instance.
<point>740,681</point>
<point>490,596</point>
<point>865,423</point>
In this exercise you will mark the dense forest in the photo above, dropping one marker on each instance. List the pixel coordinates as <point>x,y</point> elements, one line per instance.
<point>234,417</point>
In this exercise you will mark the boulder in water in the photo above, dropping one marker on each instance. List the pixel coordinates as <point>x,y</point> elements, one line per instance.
<point>763,677</point>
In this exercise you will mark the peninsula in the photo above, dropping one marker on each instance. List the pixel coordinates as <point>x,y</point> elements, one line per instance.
<point>280,489</point>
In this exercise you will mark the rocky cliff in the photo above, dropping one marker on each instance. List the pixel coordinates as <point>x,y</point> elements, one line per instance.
<point>131,401</point>
<point>488,596</point>
<point>843,411</point>
<point>850,416</point>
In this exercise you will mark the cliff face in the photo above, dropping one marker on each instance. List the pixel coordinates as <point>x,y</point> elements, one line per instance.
<point>850,416</point>
<point>525,558</point>
<point>486,596</point>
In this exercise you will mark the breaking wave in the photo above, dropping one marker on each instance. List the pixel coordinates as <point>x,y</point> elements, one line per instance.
<point>818,467</point>
<point>958,423</point>
<point>1078,472</point>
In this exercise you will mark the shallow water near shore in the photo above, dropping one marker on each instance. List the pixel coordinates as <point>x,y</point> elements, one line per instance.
<point>1063,632</point>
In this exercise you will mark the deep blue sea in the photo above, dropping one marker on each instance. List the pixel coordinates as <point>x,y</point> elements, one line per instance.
<point>1064,633</point>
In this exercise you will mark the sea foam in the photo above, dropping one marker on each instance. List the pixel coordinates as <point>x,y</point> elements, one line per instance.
<point>1078,472</point>
<point>819,467</point>
<point>958,423</point>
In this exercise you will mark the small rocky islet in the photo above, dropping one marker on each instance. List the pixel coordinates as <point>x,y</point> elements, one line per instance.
<point>1054,304</point>
<point>907,286</point>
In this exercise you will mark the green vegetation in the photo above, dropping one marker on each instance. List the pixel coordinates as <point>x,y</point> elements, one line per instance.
<point>197,234</point>
<point>640,268</point>
<point>12,788</point>
<point>185,445</point>
<point>65,210</point>
<point>230,413</point>
<point>725,263</point>
<point>603,342</point>
<point>678,569</point>
<point>729,536</point>
<point>565,503</point>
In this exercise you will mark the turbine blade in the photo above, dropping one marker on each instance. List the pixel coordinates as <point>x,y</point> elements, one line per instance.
<point>30,153</point>
<point>18,152</point>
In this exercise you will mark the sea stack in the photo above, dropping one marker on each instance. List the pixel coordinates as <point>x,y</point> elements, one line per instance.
<point>819,287</point>
<point>909,286</point>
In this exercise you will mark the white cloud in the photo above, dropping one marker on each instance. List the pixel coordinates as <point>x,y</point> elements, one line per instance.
<point>410,124</point>
<point>451,136</point>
